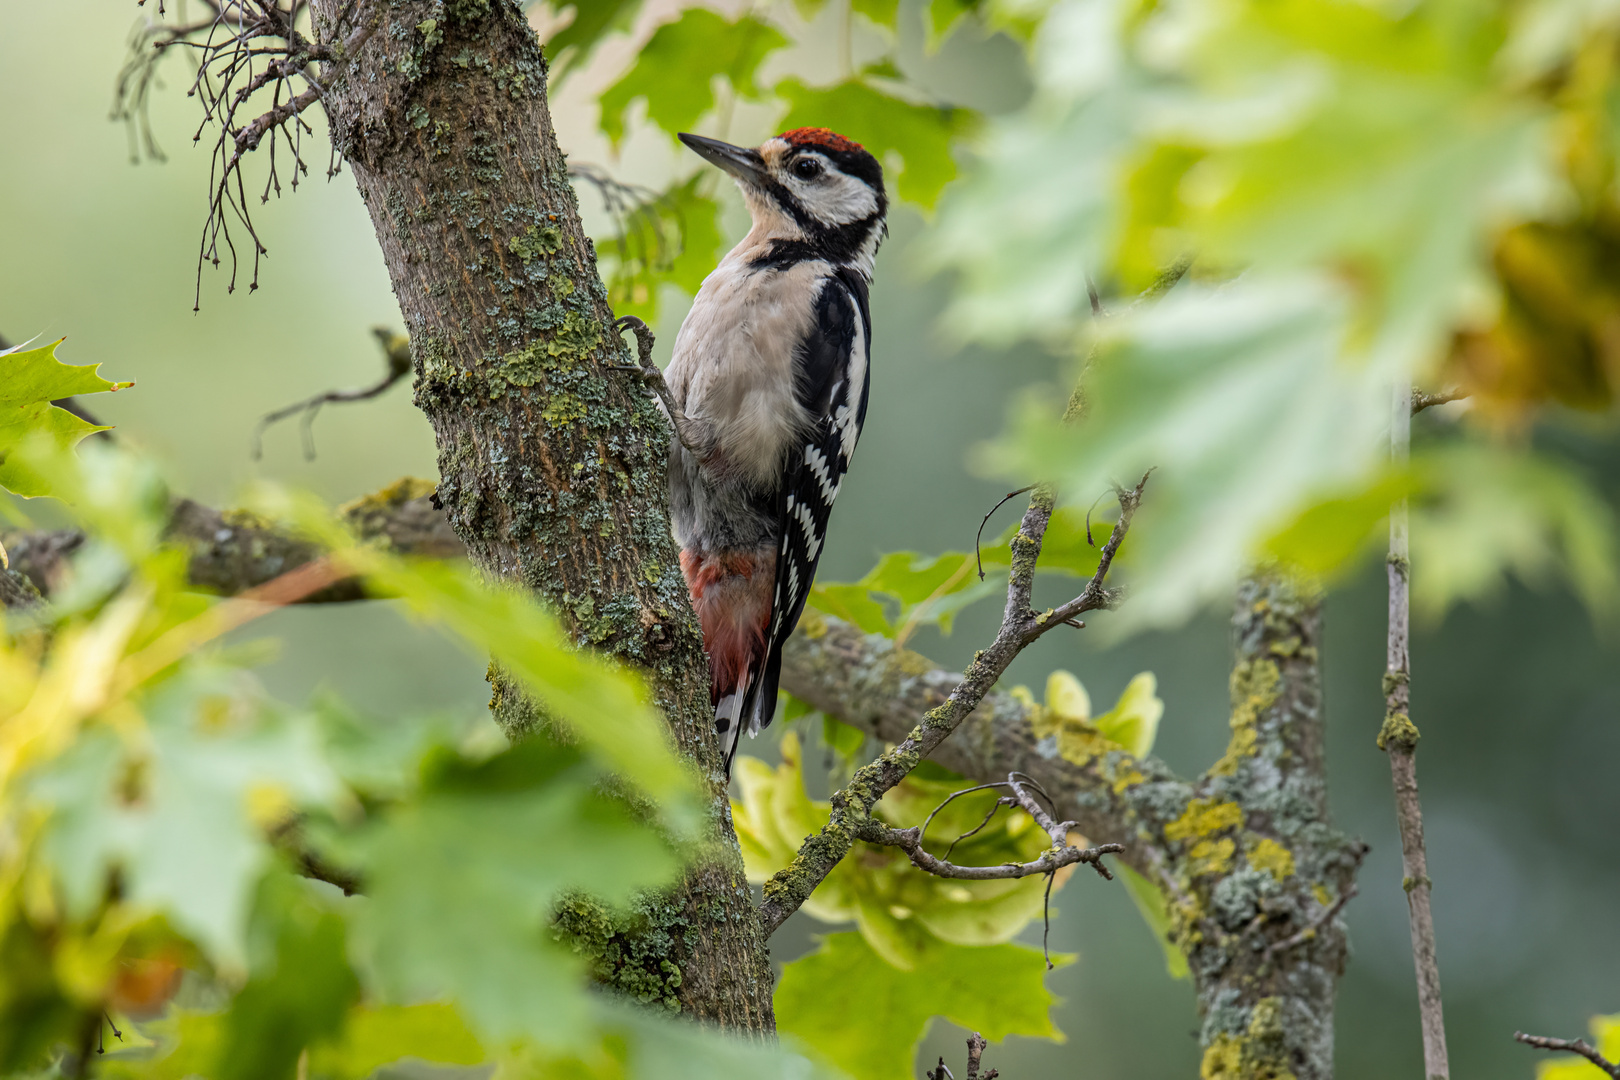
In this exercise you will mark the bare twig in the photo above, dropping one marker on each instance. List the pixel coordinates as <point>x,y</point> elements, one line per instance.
<point>1020,625</point>
<point>1399,738</point>
<point>978,537</point>
<point>1571,1046</point>
<point>241,49</point>
<point>976,1045</point>
<point>1421,401</point>
<point>396,354</point>
<point>1317,923</point>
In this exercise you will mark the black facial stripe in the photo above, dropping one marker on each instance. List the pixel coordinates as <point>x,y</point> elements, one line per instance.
<point>837,245</point>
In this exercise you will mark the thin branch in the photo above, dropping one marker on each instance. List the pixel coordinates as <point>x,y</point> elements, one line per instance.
<point>1399,738</point>
<point>1571,1046</point>
<point>976,1045</point>
<point>1055,858</point>
<point>1421,401</point>
<point>396,354</point>
<point>852,805</point>
<point>1310,932</point>
<point>978,537</point>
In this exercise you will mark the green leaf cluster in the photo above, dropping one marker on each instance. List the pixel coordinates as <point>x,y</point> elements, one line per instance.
<point>161,809</point>
<point>1367,198</point>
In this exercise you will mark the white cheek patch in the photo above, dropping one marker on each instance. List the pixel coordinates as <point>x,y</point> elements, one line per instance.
<point>835,199</point>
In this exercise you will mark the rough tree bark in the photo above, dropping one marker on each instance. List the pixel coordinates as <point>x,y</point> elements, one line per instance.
<point>551,465</point>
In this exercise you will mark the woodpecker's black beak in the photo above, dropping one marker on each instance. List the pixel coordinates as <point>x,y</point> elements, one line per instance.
<point>741,162</point>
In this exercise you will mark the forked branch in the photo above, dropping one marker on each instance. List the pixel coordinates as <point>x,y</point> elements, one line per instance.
<point>1020,626</point>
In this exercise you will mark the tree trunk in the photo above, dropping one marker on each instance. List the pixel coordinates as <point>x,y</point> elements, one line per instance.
<point>551,466</point>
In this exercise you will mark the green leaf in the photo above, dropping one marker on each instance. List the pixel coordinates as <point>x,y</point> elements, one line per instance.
<point>920,136</point>
<point>185,839</point>
<point>592,21</point>
<point>300,999</point>
<point>853,604</point>
<point>1241,402</point>
<point>1488,512</point>
<point>675,70</point>
<point>29,381</point>
<point>605,705</point>
<point>1326,538</point>
<point>997,991</point>
<point>378,1035</point>
<point>885,13</point>
<point>1133,722</point>
<point>1149,900</point>
<point>460,884</point>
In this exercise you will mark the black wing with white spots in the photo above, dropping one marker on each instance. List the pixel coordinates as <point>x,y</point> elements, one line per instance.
<point>832,368</point>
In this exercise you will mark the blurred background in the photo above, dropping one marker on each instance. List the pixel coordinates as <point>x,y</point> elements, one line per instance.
<point>1518,701</point>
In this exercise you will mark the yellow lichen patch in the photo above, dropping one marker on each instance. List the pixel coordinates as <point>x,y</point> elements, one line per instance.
<point>1211,857</point>
<point>1266,854</point>
<point>1126,778</point>
<point>1202,817</point>
<point>1323,897</point>
<point>1254,690</point>
<point>1260,1053</point>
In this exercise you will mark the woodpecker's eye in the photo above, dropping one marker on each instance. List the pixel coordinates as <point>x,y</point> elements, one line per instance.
<point>807,168</point>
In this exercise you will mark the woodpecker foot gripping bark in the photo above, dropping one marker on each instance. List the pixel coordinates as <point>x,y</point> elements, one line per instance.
<point>651,376</point>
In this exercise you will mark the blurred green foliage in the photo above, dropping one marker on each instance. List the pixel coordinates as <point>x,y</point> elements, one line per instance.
<point>159,806</point>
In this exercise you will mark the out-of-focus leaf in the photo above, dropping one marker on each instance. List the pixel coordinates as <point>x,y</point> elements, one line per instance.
<point>1326,538</point>
<point>882,12</point>
<point>675,70</point>
<point>30,379</point>
<point>1488,512</point>
<point>669,237</point>
<point>1551,339</point>
<point>505,838</point>
<point>299,999</point>
<point>604,705</point>
<point>853,604</point>
<point>1240,400</point>
<point>921,136</point>
<point>1149,900</point>
<point>191,842</point>
<point>1038,212</point>
<point>1133,722</point>
<point>592,21</point>
<point>998,991</point>
<point>377,1035</point>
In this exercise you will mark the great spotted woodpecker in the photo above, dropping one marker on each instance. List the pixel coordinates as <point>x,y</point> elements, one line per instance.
<point>767,393</point>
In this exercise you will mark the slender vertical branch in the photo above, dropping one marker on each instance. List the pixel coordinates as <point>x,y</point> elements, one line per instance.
<point>1398,738</point>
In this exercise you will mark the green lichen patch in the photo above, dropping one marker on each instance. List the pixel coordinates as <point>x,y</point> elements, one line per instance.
<point>1398,732</point>
<point>633,953</point>
<point>536,241</point>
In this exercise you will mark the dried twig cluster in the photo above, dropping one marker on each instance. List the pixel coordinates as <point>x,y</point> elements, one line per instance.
<point>976,1044</point>
<point>256,70</point>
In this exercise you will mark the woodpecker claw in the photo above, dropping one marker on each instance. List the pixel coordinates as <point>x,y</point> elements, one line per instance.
<point>685,429</point>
